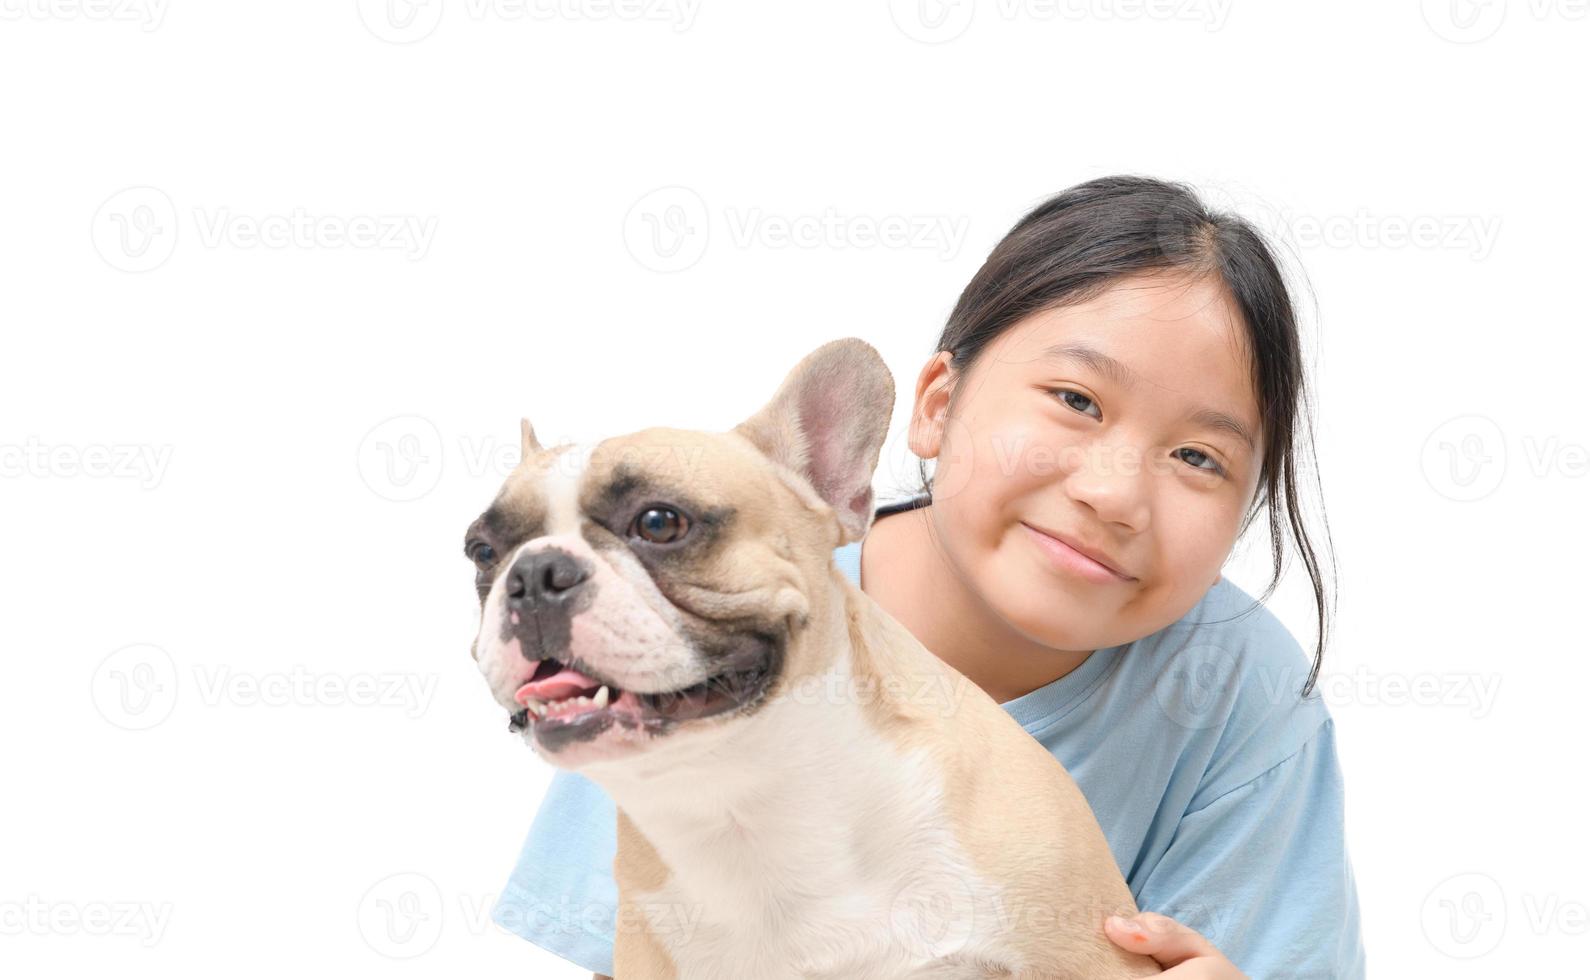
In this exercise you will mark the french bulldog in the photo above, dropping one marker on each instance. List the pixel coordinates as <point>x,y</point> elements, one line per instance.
<point>826,799</point>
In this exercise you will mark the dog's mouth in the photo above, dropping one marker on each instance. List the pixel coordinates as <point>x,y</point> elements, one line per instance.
<point>564,700</point>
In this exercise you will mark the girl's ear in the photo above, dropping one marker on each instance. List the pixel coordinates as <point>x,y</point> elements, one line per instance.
<point>930,410</point>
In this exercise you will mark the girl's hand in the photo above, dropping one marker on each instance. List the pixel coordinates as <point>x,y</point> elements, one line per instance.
<point>1183,953</point>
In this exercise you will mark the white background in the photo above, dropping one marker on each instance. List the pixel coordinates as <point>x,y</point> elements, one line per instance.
<point>206,503</point>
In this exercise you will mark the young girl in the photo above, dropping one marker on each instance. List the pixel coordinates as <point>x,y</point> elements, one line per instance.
<point>1116,397</point>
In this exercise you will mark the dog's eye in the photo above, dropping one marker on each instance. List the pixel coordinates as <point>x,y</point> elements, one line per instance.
<point>481,553</point>
<point>661,525</point>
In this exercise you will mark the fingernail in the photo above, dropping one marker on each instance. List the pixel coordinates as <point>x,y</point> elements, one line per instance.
<point>1121,922</point>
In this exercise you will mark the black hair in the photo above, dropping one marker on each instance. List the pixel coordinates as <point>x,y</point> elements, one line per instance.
<point>1073,246</point>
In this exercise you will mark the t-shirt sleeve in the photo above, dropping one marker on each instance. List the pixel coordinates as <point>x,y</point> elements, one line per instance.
<point>1263,872</point>
<point>561,894</point>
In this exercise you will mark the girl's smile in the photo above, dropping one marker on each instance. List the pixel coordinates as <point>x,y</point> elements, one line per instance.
<point>1072,556</point>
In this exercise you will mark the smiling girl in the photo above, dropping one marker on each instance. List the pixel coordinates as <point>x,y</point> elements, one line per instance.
<point>1116,397</point>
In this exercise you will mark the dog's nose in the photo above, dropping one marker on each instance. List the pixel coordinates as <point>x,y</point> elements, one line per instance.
<point>544,578</point>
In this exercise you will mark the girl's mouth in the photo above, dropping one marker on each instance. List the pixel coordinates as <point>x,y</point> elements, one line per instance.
<point>1070,560</point>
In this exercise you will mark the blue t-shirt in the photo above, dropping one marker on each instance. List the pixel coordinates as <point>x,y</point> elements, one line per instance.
<point>1217,786</point>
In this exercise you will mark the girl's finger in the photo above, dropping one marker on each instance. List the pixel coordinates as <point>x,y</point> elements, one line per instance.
<point>1166,940</point>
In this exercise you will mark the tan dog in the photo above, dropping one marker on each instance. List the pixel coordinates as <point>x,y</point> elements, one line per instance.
<point>795,775</point>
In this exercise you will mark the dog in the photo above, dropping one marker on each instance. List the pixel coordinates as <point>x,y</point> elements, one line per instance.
<point>661,613</point>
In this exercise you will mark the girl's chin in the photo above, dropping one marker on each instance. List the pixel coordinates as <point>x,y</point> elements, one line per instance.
<point>1056,622</point>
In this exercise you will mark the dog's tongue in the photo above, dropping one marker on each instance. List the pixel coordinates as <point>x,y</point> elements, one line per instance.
<point>566,683</point>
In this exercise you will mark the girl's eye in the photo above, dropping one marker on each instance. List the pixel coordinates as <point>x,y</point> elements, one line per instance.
<point>1213,466</point>
<point>1071,398</point>
<point>1079,402</point>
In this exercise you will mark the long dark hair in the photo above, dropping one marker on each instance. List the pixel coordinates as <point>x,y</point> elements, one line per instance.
<point>1074,245</point>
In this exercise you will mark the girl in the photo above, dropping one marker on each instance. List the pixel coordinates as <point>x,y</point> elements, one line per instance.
<point>1117,395</point>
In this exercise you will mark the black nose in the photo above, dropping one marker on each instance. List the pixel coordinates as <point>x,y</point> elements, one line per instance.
<point>544,578</point>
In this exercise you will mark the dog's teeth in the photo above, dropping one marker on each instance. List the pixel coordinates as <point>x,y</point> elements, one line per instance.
<point>601,697</point>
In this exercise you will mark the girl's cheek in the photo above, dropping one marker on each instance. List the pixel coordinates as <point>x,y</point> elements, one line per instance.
<point>1026,453</point>
<point>1194,542</point>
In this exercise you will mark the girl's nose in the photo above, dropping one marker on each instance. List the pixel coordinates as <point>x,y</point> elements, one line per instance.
<point>1113,482</point>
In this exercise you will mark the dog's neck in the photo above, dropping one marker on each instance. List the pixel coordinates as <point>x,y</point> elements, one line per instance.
<point>778,803</point>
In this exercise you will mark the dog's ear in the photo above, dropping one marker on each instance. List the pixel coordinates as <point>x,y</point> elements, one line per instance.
<point>528,445</point>
<point>827,423</point>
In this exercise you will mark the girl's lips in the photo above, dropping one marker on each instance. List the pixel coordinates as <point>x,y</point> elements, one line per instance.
<point>1071,560</point>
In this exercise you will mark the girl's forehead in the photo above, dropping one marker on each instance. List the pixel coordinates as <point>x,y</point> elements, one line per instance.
<point>1153,331</point>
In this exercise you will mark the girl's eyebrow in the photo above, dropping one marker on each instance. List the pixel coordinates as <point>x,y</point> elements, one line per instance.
<point>1122,375</point>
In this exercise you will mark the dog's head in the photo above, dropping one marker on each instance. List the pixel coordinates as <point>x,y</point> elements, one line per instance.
<point>654,587</point>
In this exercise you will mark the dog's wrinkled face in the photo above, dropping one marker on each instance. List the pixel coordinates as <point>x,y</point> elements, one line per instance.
<point>652,586</point>
<point>625,594</point>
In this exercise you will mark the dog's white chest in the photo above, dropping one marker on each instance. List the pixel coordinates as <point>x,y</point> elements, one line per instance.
<point>926,926</point>
<point>840,879</point>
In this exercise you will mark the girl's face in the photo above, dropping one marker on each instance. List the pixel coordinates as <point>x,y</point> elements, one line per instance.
<point>1115,424</point>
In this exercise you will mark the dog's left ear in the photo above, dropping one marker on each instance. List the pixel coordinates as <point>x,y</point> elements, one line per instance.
<point>827,422</point>
<point>528,444</point>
